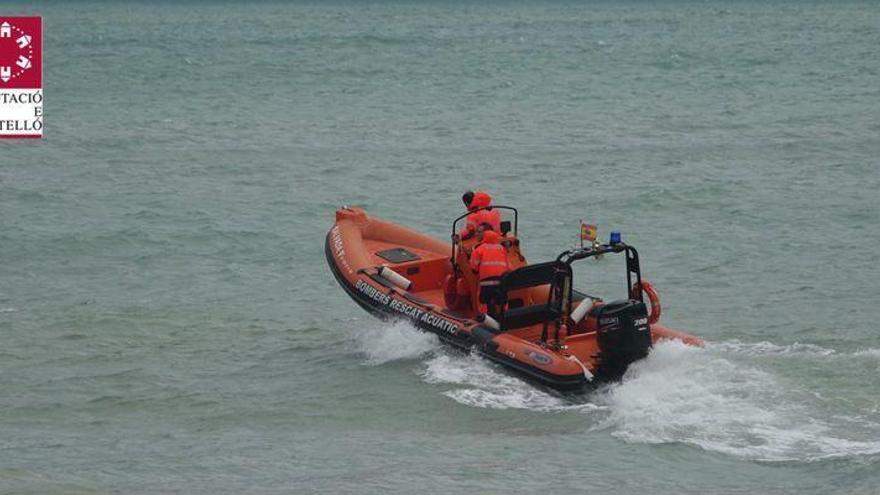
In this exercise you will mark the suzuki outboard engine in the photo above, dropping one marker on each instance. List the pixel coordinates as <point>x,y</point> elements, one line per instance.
<point>623,335</point>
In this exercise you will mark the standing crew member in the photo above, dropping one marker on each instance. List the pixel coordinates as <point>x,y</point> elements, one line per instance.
<point>471,223</point>
<point>489,262</point>
<point>491,216</point>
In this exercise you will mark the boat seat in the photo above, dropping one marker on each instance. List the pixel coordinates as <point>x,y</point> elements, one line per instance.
<point>527,277</point>
<point>525,316</point>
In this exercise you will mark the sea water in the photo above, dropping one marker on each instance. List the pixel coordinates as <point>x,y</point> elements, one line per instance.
<point>169,324</point>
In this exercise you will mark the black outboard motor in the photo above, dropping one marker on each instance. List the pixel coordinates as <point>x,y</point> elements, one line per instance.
<point>623,335</point>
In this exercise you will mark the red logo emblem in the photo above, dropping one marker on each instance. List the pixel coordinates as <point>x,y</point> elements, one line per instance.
<point>21,77</point>
<point>21,57</point>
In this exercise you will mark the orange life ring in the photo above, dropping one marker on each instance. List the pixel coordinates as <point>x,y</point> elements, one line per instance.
<point>649,289</point>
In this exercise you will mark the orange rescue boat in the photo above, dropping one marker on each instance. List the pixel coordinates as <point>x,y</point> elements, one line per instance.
<point>548,332</point>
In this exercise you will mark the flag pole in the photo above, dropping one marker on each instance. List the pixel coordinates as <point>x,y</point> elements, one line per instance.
<point>581,232</point>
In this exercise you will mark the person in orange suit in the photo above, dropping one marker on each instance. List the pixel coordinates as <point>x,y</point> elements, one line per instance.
<point>492,217</point>
<point>489,262</point>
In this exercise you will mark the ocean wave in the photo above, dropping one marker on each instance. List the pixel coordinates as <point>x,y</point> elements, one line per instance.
<point>873,353</point>
<point>791,350</point>
<point>765,348</point>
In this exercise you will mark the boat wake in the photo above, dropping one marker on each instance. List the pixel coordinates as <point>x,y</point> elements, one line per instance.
<point>716,398</point>
<point>707,398</point>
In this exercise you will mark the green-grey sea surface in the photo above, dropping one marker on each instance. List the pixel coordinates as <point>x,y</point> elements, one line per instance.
<point>169,324</point>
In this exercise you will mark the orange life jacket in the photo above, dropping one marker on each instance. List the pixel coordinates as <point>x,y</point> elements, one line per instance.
<point>473,220</point>
<point>489,259</point>
<point>492,217</point>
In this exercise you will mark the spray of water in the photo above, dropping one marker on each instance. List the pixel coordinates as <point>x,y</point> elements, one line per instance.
<point>479,383</point>
<point>384,342</point>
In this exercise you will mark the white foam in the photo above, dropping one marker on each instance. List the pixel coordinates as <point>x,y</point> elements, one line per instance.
<point>8,310</point>
<point>682,394</point>
<point>478,383</point>
<point>399,340</point>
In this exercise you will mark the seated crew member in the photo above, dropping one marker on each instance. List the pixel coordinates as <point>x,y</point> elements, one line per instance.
<point>489,262</point>
<point>492,217</point>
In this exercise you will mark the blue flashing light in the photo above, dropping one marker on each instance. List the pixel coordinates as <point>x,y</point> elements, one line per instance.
<point>615,237</point>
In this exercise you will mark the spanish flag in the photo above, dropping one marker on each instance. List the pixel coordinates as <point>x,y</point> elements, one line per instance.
<point>588,232</point>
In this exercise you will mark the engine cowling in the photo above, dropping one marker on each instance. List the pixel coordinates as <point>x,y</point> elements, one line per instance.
<point>623,335</point>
